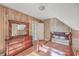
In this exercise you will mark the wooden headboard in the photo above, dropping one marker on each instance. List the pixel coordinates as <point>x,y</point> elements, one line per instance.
<point>67,36</point>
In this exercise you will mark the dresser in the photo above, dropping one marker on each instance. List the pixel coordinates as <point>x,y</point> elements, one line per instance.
<point>17,45</point>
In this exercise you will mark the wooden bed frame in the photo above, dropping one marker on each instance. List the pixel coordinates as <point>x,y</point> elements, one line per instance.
<point>57,46</point>
<point>67,50</point>
<point>67,36</point>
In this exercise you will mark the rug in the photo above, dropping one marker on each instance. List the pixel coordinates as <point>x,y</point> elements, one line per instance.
<point>33,54</point>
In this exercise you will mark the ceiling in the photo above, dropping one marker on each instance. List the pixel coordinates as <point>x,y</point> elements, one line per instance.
<point>68,13</point>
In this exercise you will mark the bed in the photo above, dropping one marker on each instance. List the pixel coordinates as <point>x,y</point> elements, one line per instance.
<point>54,48</point>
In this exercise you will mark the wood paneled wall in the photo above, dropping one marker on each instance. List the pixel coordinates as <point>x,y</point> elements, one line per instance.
<point>47,29</point>
<point>54,24</point>
<point>75,42</point>
<point>1,29</point>
<point>57,25</point>
<point>11,14</point>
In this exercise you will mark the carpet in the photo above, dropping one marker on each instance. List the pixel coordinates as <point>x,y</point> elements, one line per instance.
<point>33,54</point>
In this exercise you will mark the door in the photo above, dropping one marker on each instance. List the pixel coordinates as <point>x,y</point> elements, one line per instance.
<point>37,30</point>
<point>34,33</point>
<point>40,31</point>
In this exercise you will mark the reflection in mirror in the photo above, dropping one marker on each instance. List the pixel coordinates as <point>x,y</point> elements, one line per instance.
<point>18,29</point>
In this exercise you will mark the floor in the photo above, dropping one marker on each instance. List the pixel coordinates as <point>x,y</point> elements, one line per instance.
<point>30,50</point>
<point>33,50</point>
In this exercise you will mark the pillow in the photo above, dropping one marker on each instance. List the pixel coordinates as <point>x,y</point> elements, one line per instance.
<point>55,36</point>
<point>61,37</point>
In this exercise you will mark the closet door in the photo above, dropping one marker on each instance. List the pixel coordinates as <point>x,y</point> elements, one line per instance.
<point>37,30</point>
<point>34,30</point>
<point>40,31</point>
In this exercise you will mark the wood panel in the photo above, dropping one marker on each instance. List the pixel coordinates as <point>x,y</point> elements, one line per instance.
<point>2,29</point>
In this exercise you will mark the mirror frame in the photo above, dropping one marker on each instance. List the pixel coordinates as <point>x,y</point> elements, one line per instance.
<point>17,22</point>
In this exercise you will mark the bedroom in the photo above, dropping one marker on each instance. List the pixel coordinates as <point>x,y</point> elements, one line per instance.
<point>37,31</point>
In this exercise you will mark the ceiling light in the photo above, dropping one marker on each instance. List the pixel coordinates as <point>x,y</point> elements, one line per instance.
<point>41,8</point>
